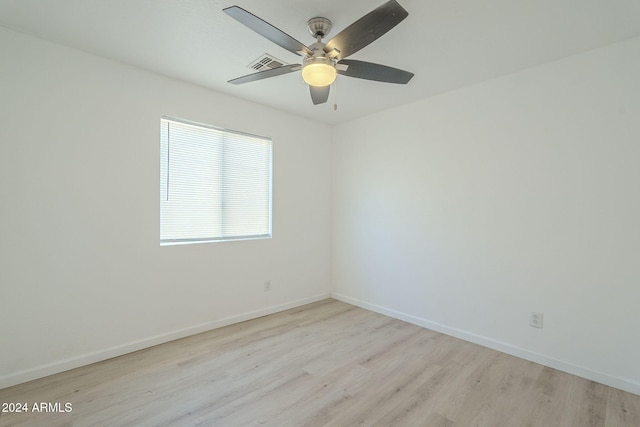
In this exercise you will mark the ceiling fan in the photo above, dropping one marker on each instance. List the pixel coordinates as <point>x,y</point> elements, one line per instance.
<point>321,62</point>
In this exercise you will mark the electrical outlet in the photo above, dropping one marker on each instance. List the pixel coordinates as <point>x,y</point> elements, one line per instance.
<point>267,285</point>
<point>535,320</point>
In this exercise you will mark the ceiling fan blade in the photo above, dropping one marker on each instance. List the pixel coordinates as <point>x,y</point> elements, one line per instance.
<point>319,95</point>
<point>285,69</point>
<point>377,72</point>
<point>267,30</point>
<point>365,30</point>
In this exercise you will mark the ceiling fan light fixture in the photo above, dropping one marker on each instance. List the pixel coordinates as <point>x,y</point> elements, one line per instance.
<point>319,72</point>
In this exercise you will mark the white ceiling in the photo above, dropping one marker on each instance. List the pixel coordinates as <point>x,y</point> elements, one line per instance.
<point>446,43</point>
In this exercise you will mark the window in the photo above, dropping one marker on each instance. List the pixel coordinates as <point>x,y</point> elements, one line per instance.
<point>215,184</point>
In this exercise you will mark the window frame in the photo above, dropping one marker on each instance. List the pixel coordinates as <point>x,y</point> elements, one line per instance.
<point>225,131</point>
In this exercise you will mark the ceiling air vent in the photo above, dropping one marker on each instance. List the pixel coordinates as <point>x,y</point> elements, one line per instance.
<point>266,62</point>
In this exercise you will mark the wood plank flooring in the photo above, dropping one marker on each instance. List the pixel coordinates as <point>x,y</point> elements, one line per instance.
<point>323,364</point>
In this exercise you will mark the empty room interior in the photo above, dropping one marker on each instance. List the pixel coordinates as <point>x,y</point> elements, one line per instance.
<point>445,233</point>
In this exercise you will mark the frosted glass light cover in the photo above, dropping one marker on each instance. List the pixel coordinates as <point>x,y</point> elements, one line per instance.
<point>319,74</point>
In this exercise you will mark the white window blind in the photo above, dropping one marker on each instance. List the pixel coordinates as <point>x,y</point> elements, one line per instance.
<point>215,184</point>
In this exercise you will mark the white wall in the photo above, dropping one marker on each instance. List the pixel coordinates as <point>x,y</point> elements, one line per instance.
<point>467,211</point>
<point>82,275</point>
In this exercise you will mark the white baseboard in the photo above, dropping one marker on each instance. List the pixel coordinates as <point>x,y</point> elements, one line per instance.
<point>590,374</point>
<point>86,359</point>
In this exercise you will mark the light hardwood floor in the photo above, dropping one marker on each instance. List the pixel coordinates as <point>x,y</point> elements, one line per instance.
<point>326,363</point>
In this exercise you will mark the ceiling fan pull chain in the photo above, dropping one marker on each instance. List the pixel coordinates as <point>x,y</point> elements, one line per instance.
<point>335,95</point>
